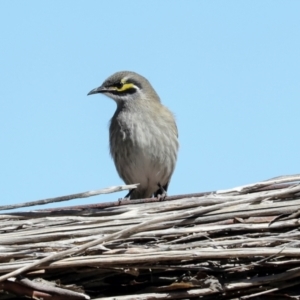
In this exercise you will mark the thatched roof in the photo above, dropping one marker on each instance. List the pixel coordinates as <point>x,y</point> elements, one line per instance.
<point>235,244</point>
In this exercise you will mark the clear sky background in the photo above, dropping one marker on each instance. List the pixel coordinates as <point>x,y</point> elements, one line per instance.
<point>229,70</point>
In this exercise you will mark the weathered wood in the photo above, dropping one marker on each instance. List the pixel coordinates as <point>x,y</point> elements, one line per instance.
<point>244,240</point>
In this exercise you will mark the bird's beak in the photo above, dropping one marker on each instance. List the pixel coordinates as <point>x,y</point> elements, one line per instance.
<point>97,90</point>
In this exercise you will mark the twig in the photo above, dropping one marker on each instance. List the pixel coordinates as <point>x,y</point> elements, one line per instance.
<point>109,190</point>
<point>255,186</point>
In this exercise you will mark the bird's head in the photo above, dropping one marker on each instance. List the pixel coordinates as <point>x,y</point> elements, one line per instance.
<point>126,86</point>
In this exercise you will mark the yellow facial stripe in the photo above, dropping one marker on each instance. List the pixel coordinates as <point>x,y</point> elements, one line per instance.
<point>125,86</point>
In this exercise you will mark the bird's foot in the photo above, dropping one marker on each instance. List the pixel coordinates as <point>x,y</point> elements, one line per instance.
<point>161,194</point>
<point>127,197</point>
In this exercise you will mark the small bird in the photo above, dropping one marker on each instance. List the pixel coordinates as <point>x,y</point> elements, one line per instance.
<point>143,134</point>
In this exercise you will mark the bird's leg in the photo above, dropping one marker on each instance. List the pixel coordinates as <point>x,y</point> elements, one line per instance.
<point>161,194</point>
<point>127,197</point>
<point>128,194</point>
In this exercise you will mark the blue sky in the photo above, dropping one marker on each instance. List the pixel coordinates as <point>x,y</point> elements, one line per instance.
<point>229,70</point>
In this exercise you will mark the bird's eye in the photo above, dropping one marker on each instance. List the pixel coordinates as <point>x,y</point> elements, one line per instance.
<point>119,85</point>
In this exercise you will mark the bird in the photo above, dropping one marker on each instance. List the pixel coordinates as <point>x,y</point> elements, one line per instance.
<point>143,135</point>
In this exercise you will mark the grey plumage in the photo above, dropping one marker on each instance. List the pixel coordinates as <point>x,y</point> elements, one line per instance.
<point>143,134</point>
